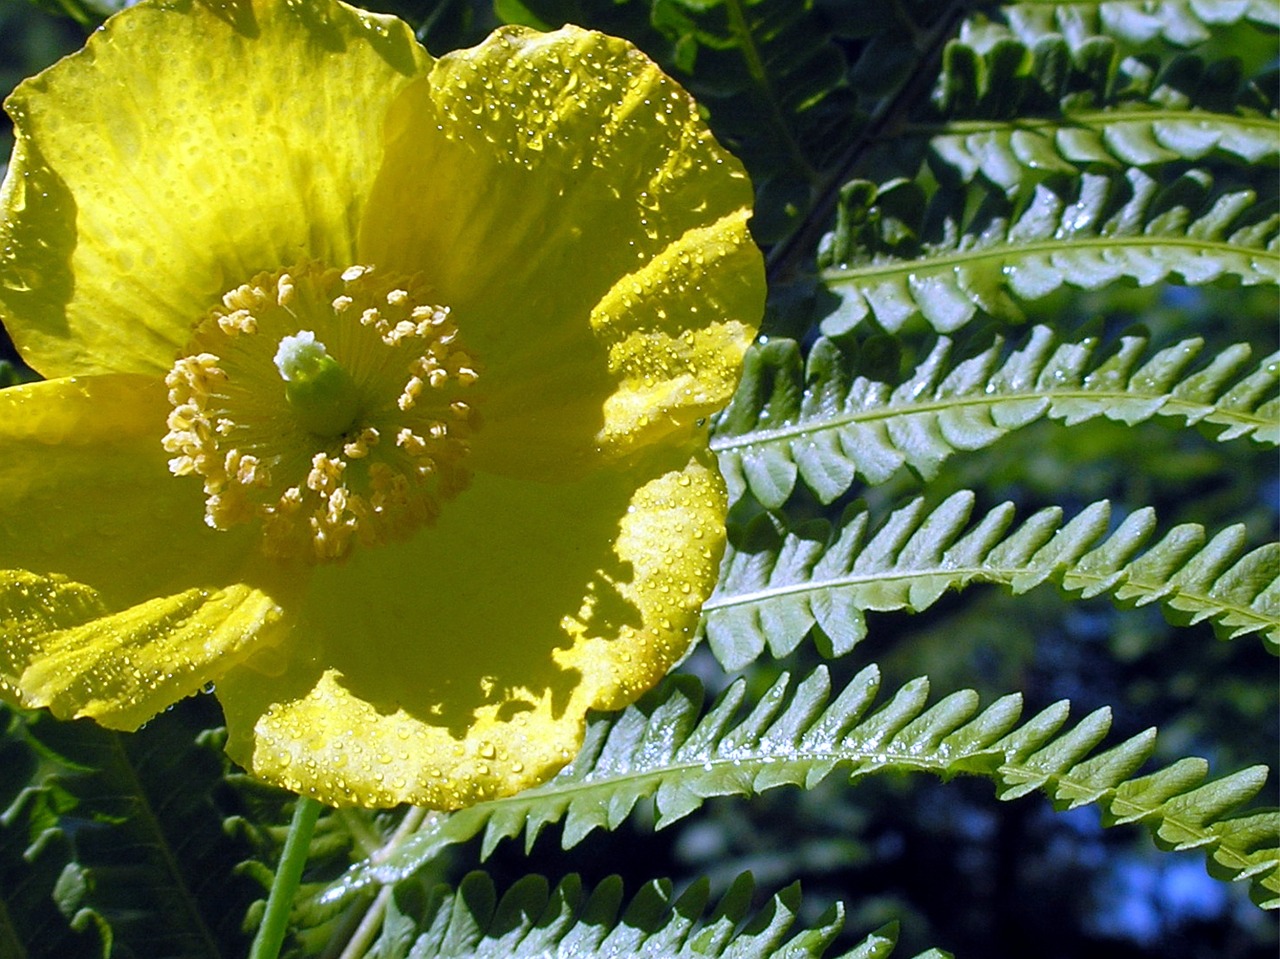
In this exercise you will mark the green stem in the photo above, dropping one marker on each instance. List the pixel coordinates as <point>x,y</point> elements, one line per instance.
<point>275,921</point>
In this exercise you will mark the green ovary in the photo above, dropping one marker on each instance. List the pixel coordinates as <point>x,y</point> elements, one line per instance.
<point>321,393</point>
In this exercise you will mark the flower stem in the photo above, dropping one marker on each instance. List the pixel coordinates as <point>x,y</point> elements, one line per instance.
<point>275,921</point>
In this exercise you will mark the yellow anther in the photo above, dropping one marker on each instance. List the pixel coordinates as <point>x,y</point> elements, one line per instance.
<point>412,390</point>
<point>411,442</point>
<point>359,447</point>
<point>326,473</point>
<point>284,290</point>
<point>238,321</point>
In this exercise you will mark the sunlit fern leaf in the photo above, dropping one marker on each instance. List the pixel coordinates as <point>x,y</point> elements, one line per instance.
<point>111,845</point>
<point>822,423</point>
<point>779,584</point>
<point>532,919</point>
<point>1179,22</point>
<point>900,255</point>
<point>1015,114</point>
<point>988,73</point>
<point>1004,152</point>
<point>667,748</point>
<point>1016,111</point>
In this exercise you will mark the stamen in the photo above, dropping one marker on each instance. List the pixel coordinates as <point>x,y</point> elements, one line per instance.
<point>285,425</point>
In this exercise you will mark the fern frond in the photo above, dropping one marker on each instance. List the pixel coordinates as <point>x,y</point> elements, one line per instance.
<point>1016,113</point>
<point>534,921</point>
<point>898,256</point>
<point>660,748</point>
<point>1005,152</point>
<point>1180,22</point>
<point>778,583</point>
<point>820,423</point>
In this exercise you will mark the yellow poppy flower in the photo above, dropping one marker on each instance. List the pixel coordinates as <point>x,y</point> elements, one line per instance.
<point>376,389</point>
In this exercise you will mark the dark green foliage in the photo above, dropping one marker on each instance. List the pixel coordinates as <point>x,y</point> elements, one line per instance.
<point>113,845</point>
<point>87,13</point>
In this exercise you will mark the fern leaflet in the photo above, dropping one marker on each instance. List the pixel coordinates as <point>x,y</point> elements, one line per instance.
<point>1001,151</point>
<point>1015,112</point>
<point>1180,22</point>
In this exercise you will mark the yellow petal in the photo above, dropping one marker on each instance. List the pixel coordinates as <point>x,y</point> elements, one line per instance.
<point>186,148</point>
<point>115,599</point>
<point>460,666</point>
<point>669,369</point>
<point>588,232</point>
<point>122,668</point>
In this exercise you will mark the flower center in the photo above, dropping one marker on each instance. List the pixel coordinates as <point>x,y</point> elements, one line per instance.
<point>325,405</point>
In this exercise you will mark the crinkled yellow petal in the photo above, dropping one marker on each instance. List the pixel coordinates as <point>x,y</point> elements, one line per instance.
<point>460,666</point>
<point>115,599</point>
<point>122,668</point>
<point>670,372</point>
<point>588,232</point>
<point>186,148</point>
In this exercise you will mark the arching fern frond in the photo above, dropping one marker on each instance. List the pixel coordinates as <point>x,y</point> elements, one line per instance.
<point>898,255</point>
<point>660,748</point>
<point>989,73</point>
<point>534,921</point>
<point>820,423</point>
<point>778,583</point>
